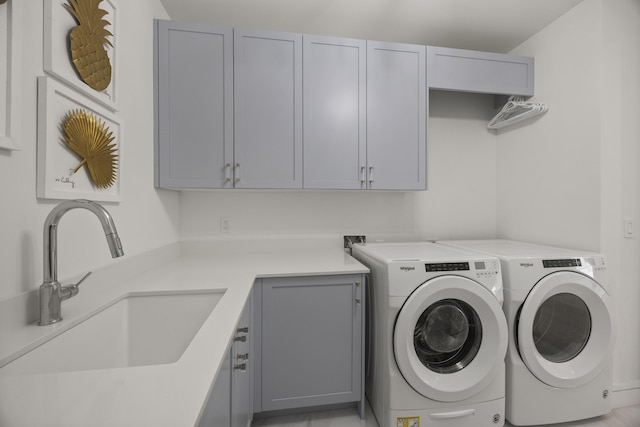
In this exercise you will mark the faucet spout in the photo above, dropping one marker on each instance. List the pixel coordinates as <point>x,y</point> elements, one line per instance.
<point>51,292</point>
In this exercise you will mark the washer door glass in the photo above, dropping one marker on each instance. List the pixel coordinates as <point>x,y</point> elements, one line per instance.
<point>450,338</point>
<point>447,336</point>
<point>564,329</point>
<point>561,327</point>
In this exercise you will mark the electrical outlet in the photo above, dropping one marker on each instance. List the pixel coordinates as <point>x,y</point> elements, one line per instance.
<point>225,225</point>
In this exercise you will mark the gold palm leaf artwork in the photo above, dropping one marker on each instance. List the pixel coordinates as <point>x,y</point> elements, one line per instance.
<point>87,43</point>
<point>90,138</point>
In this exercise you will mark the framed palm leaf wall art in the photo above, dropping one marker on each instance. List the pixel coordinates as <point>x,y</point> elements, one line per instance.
<point>79,144</point>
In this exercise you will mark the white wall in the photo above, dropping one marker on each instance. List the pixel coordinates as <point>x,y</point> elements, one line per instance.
<point>145,218</point>
<point>620,192</point>
<point>460,201</point>
<point>571,177</point>
<point>549,169</point>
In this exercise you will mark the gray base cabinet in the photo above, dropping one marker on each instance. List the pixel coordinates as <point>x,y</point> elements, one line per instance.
<point>217,412</point>
<point>230,403</point>
<point>242,370</point>
<point>311,342</point>
<point>482,72</point>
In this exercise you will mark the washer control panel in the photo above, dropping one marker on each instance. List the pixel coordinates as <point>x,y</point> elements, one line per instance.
<point>486,269</point>
<point>561,263</point>
<point>587,263</point>
<point>446,266</point>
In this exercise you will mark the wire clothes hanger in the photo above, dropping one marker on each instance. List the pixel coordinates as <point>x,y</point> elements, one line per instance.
<point>515,111</point>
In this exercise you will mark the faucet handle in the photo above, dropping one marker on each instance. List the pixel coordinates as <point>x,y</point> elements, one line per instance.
<point>72,290</point>
<point>83,279</point>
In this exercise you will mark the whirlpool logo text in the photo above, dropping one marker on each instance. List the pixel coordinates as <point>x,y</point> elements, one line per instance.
<point>407,268</point>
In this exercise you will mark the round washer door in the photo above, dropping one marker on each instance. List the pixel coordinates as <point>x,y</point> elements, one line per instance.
<point>450,338</point>
<point>565,330</point>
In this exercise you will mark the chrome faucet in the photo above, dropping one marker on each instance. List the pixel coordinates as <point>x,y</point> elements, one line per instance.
<point>52,293</point>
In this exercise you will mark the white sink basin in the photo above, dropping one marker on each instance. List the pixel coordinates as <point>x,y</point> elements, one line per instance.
<point>137,330</point>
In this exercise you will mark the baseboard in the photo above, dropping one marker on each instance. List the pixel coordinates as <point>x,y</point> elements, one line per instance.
<point>627,394</point>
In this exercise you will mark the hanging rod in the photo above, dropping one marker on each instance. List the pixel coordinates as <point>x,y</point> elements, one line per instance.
<point>516,110</point>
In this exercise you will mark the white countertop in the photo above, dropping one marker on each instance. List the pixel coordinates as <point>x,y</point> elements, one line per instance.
<point>158,395</point>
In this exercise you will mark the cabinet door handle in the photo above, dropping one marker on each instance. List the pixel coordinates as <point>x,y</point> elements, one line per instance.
<point>241,339</point>
<point>357,290</point>
<point>370,174</point>
<point>241,367</point>
<point>243,330</point>
<point>363,172</point>
<point>227,172</point>
<point>243,356</point>
<point>237,172</point>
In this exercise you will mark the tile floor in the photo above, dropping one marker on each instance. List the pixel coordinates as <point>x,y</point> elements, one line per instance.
<point>348,417</point>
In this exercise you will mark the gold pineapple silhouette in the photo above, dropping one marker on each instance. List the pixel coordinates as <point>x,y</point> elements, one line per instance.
<point>88,41</point>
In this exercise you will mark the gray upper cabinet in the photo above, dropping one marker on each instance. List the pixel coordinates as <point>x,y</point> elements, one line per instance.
<point>194,104</point>
<point>268,109</point>
<point>364,114</point>
<point>483,72</point>
<point>262,110</point>
<point>396,116</point>
<point>335,137</point>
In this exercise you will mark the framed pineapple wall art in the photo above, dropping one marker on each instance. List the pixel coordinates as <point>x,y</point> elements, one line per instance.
<point>10,81</point>
<point>81,46</point>
<point>79,144</point>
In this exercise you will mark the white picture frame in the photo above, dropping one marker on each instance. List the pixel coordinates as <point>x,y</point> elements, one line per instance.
<point>55,161</point>
<point>10,74</point>
<point>58,22</point>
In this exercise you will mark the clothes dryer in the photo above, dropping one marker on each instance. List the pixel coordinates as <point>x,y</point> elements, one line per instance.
<point>436,336</point>
<point>561,331</point>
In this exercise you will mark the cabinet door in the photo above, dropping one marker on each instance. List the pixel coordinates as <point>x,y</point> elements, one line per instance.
<point>241,377</point>
<point>483,72</point>
<point>311,341</point>
<point>396,116</point>
<point>194,105</point>
<point>268,109</point>
<point>334,112</point>
<point>217,413</point>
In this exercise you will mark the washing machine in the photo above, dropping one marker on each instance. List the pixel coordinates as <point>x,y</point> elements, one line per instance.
<point>436,336</point>
<point>558,308</point>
